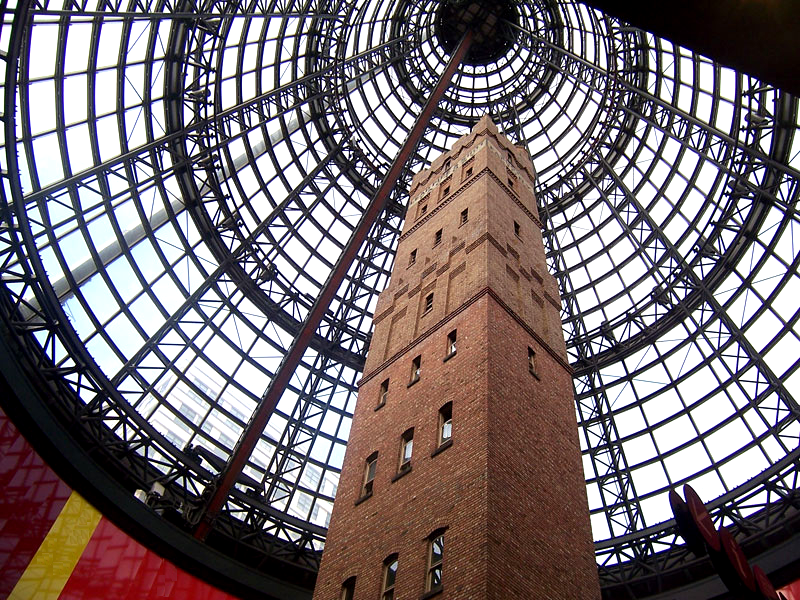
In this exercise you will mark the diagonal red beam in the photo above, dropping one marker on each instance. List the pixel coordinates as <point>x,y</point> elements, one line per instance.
<point>252,431</point>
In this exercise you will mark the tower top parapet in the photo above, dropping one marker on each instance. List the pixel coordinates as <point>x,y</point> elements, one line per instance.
<point>484,128</point>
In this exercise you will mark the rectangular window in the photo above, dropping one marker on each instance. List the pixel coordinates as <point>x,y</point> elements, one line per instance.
<point>412,258</point>
<point>415,367</point>
<point>464,216</point>
<point>369,473</point>
<point>511,183</point>
<point>428,303</point>
<point>437,238</point>
<point>451,343</point>
<point>516,229</point>
<point>384,392</point>
<point>445,190</point>
<point>406,449</point>
<point>423,210</point>
<point>435,559</point>
<point>469,171</point>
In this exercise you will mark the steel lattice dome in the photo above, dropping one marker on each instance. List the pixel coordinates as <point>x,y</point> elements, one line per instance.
<point>179,179</point>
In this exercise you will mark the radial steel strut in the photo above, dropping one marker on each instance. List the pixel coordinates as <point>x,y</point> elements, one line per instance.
<point>252,431</point>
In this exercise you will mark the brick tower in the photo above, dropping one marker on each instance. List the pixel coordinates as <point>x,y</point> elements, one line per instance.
<point>463,476</point>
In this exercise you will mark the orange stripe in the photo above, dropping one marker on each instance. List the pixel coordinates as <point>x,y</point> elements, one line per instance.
<point>60,551</point>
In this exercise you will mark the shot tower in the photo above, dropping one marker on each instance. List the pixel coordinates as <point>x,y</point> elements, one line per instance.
<point>463,474</point>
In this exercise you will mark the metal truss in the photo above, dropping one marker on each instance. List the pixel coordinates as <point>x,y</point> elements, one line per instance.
<point>180,178</point>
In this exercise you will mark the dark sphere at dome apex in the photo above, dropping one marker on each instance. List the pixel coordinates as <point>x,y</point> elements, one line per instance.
<point>495,26</point>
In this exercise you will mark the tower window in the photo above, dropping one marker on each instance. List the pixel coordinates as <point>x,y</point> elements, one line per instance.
<point>516,229</point>
<point>437,238</point>
<point>422,210</point>
<point>428,303</point>
<point>510,183</point>
<point>369,474</point>
<point>389,577</point>
<point>469,172</point>
<point>349,589</point>
<point>384,393</point>
<point>415,366</point>
<point>406,449</point>
<point>451,343</point>
<point>435,560</point>
<point>532,362</point>
<point>445,191</point>
<point>412,258</point>
<point>464,216</point>
<point>446,423</point>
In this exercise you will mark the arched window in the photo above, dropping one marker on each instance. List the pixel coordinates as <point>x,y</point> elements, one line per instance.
<point>433,580</point>
<point>349,589</point>
<point>389,577</point>
<point>532,362</point>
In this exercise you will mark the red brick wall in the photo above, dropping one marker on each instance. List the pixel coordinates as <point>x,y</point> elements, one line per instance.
<point>510,488</point>
<point>449,489</point>
<point>540,536</point>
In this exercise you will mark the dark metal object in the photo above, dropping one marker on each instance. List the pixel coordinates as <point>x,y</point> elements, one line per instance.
<point>258,421</point>
<point>759,38</point>
<point>493,24</point>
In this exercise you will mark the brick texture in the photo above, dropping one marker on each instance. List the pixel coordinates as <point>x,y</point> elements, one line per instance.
<point>509,489</point>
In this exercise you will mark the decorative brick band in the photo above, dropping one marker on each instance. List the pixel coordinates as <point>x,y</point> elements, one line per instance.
<point>552,301</point>
<point>435,328</point>
<point>443,203</point>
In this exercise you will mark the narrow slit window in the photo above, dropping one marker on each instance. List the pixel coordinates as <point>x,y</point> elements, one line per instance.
<point>437,238</point>
<point>384,392</point>
<point>532,362</point>
<point>451,343</point>
<point>406,449</point>
<point>516,229</point>
<point>445,423</point>
<point>428,303</point>
<point>412,257</point>
<point>464,216</point>
<point>415,369</point>
<point>369,473</point>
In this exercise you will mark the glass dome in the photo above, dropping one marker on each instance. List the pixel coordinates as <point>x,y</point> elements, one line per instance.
<point>180,179</point>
